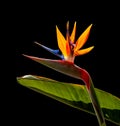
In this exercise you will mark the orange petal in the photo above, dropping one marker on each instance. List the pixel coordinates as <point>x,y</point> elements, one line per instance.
<point>72,37</point>
<point>62,43</point>
<point>67,33</point>
<point>83,51</point>
<point>83,38</point>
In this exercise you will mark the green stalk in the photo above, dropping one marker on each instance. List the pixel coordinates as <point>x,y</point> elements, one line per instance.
<point>96,104</point>
<point>84,75</point>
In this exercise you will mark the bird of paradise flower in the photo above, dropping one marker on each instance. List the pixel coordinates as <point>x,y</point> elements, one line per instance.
<point>68,46</point>
<point>70,49</point>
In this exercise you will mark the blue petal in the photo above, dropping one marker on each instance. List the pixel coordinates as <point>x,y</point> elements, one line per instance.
<point>56,51</point>
<point>53,51</point>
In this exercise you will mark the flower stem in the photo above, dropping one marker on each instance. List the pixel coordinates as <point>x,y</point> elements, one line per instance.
<point>96,104</point>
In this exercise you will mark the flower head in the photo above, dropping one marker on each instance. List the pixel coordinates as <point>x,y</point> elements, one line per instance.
<point>68,46</point>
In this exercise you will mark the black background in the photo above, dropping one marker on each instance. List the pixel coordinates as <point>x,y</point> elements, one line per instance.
<point>102,63</point>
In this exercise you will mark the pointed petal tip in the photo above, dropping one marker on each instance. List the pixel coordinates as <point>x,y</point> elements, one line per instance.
<point>32,57</point>
<point>28,56</point>
<point>24,55</point>
<point>83,51</point>
<point>90,25</point>
<point>37,43</point>
<point>56,27</point>
<point>92,47</point>
<point>67,25</point>
<point>67,22</point>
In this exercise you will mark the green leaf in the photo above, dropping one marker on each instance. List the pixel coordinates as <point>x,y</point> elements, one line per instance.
<point>74,95</point>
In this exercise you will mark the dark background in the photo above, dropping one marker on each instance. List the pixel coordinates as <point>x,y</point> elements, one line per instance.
<point>102,63</point>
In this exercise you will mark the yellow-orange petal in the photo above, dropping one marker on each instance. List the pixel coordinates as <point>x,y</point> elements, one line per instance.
<point>83,38</point>
<point>67,33</point>
<point>62,44</point>
<point>72,37</point>
<point>83,51</point>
